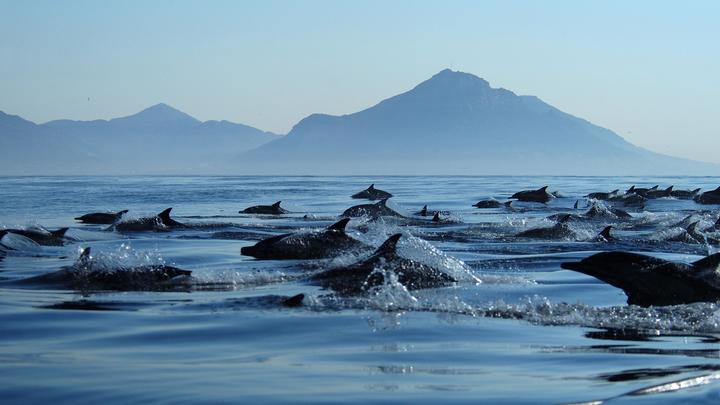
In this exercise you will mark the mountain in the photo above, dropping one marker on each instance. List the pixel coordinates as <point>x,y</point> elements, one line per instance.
<point>156,140</point>
<point>456,123</point>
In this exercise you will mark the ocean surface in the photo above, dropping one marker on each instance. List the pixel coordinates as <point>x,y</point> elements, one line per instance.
<point>516,328</point>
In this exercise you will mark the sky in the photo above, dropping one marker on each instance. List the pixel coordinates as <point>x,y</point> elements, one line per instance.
<point>648,70</point>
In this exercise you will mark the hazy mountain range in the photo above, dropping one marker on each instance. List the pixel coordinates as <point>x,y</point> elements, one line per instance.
<point>157,140</point>
<point>452,123</point>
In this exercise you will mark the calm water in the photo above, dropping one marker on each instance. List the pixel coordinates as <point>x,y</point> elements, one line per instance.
<point>528,332</point>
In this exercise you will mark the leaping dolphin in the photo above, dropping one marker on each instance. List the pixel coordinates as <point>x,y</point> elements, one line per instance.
<point>85,274</point>
<point>160,222</point>
<point>40,236</point>
<point>274,209</point>
<point>101,218</point>
<point>372,193</point>
<point>540,195</point>
<point>491,204</point>
<point>358,278</point>
<point>708,197</point>
<point>685,194</point>
<point>374,211</point>
<point>647,280</point>
<point>652,194</point>
<point>640,190</point>
<point>320,244</point>
<point>603,195</point>
<point>561,230</point>
<point>629,199</point>
<point>601,211</point>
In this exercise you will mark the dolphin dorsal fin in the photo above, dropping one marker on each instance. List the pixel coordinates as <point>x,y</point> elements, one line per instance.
<point>605,233</point>
<point>693,227</point>
<point>543,189</point>
<point>577,203</point>
<point>382,202</point>
<point>617,190</point>
<point>697,190</point>
<point>711,261</point>
<point>656,187</point>
<point>669,189</point>
<point>436,217</point>
<point>631,189</point>
<point>165,215</point>
<point>277,204</point>
<point>507,203</point>
<point>717,189</point>
<point>339,225</point>
<point>563,218</point>
<point>372,187</point>
<point>83,259</point>
<point>121,213</point>
<point>59,233</point>
<point>389,247</point>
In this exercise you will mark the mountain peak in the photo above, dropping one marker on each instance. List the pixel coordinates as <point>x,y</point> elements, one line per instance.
<point>160,113</point>
<point>164,110</point>
<point>447,76</point>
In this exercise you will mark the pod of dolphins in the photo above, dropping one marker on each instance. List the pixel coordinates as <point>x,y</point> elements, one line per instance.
<point>646,280</point>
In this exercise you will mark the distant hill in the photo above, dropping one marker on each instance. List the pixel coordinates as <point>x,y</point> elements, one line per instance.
<point>455,123</point>
<point>157,140</point>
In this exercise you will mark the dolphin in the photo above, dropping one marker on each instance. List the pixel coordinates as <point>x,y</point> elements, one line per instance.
<point>629,199</point>
<point>708,197</point>
<point>492,203</point>
<point>86,274</point>
<point>564,217</point>
<point>602,195</point>
<point>694,236</point>
<point>160,222</point>
<point>540,195</point>
<point>600,211</point>
<point>374,211</point>
<point>372,193</point>
<point>40,236</point>
<point>101,218</point>
<point>648,281</point>
<point>640,190</point>
<point>274,209</point>
<point>561,230</point>
<point>359,277</point>
<point>317,244</point>
<point>652,194</point>
<point>685,194</point>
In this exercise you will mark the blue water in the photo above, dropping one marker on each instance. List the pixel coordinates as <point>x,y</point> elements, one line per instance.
<point>516,328</point>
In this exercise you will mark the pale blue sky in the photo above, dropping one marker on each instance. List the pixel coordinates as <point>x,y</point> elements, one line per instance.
<point>648,70</point>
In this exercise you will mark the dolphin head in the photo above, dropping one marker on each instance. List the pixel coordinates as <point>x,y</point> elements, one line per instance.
<point>618,269</point>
